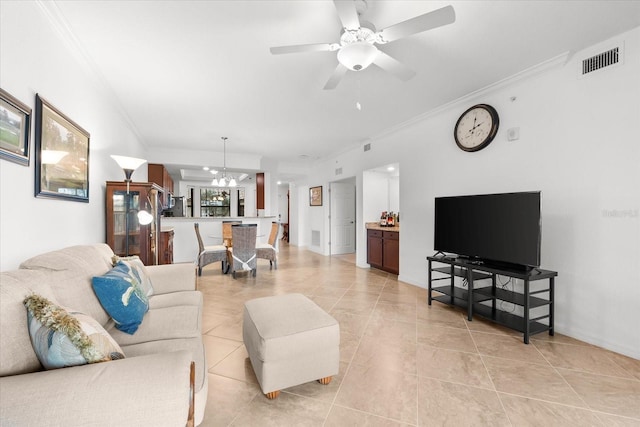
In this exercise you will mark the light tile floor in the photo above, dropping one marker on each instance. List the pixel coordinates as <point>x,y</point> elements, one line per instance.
<point>404,362</point>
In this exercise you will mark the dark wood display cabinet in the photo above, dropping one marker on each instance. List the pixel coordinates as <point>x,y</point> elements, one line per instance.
<point>481,294</point>
<point>383,250</point>
<point>125,235</point>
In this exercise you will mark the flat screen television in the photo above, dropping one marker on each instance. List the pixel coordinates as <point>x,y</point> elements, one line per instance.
<point>494,228</point>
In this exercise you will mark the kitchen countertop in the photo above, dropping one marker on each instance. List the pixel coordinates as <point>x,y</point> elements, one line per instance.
<point>376,226</point>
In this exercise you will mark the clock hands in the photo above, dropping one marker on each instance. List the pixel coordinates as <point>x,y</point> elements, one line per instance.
<point>472,130</point>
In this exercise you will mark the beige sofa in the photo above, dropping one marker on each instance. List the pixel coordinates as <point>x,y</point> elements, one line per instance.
<point>150,386</point>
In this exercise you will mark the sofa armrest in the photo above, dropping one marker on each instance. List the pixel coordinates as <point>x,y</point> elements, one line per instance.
<point>145,390</point>
<point>168,278</point>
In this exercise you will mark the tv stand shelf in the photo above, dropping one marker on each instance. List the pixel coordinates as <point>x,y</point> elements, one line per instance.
<point>478,291</point>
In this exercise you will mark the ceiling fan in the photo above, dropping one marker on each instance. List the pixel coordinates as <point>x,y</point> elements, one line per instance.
<point>357,50</point>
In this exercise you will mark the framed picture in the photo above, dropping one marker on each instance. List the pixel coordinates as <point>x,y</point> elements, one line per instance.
<point>15,129</point>
<point>315,196</point>
<point>62,155</point>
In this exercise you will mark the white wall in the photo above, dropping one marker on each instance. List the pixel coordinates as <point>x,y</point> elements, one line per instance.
<point>579,145</point>
<point>394,193</point>
<point>375,195</point>
<point>35,60</point>
<point>381,192</point>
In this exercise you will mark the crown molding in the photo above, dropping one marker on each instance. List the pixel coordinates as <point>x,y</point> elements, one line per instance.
<point>557,61</point>
<point>59,24</point>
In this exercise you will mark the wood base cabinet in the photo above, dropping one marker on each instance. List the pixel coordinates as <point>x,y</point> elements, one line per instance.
<point>383,250</point>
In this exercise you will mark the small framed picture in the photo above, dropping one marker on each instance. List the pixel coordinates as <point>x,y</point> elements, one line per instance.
<point>315,196</point>
<point>15,129</point>
<point>62,155</point>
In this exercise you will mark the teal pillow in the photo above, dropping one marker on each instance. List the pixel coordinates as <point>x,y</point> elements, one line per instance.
<point>62,338</point>
<point>139,269</point>
<point>121,296</point>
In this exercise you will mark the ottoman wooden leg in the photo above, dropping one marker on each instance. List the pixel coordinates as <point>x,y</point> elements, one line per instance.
<point>273,394</point>
<point>325,380</point>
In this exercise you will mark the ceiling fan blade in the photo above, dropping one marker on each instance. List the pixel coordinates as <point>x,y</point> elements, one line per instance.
<point>316,47</point>
<point>392,66</point>
<point>428,21</point>
<point>335,78</point>
<point>348,14</point>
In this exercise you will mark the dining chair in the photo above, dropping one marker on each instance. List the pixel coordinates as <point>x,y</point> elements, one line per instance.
<point>269,250</point>
<point>227,238</point>
<point>242,255</point>
<point>209,254</point>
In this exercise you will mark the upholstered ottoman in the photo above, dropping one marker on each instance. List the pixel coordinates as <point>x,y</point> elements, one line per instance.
<point>290,341</point>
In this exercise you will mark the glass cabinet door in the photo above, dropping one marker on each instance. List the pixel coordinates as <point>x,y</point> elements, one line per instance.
<point>125,209</point>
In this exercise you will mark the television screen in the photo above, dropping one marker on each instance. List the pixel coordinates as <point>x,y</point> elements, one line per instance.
<point>492,227</point>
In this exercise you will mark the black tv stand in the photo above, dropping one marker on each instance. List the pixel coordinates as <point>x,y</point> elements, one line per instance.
<point>482,300</point>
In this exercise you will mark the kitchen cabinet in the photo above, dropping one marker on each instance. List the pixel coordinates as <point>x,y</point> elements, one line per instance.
<point>159,175</point>
<point>383,250</point>
<point>374,248</point>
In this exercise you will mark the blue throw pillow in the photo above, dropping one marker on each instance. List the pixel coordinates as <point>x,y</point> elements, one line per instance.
<point>137,267</point>
<point>121,295</point>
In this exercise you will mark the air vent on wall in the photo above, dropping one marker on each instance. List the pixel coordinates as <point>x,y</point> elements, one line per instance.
<point>338,171</point>
<point>367,147</point>
<point>602,60</point>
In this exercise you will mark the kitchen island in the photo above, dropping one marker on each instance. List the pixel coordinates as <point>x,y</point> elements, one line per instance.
<point>185,243</point>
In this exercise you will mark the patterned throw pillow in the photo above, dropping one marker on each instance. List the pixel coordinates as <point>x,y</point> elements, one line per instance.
<point>121,296</point>
<point>138,267</point>
<point>64,338</point>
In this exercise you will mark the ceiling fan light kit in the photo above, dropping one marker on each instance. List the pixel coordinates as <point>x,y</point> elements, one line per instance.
<point>357,49</point>
<point>357,56</point>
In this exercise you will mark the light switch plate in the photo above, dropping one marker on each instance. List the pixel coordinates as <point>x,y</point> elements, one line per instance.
<point>513,134</point>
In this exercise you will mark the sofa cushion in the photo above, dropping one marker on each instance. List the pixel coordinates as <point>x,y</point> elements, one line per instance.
<point>92,260</point>
<point>193,345</point>
<point>77,266</point>
<point>176,298</point>
<point>196,350</point>
<point>122,297</point>
<point>16,352</point>
<point>144,391</point>
<point>141,271</point>
<point>182,321</point>
<point>64,338</point>
<point>168,278</point>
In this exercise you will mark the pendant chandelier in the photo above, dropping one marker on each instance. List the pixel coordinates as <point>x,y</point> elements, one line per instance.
<point>224,181</point>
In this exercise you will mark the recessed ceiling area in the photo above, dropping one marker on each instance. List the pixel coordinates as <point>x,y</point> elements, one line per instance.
<point>190,173</point>
<point>186,73</point>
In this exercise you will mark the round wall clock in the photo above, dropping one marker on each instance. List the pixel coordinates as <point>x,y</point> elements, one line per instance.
<point>476,127</point>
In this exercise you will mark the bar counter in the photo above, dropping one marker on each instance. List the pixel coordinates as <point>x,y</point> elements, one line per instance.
<point>377,226</point>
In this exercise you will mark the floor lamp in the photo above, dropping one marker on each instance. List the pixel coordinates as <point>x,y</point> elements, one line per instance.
<point>129,165</point>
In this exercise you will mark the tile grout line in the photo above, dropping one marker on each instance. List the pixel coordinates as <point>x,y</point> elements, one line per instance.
<point>333,402</point>
<point>495,389</point>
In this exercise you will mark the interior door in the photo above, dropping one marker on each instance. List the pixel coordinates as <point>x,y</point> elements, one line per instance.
<point>343,218</point>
